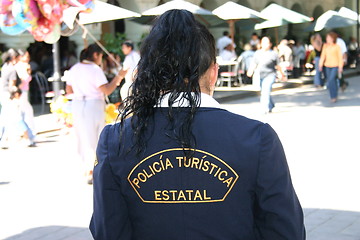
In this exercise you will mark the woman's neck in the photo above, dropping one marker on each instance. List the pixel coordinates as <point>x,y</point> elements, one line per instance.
<point>87,61</point>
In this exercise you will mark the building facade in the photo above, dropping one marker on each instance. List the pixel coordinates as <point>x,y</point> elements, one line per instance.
<point>311,8</point>
<point>134,31</point>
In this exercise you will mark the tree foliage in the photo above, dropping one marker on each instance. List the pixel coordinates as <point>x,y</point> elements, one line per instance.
<point>113,43</point>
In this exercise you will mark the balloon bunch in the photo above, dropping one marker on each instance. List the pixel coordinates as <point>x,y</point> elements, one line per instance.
<point>42,18</point>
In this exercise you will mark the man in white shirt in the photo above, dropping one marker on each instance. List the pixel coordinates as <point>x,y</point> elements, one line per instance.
<point>130,63</point>
<point>228,52</point>
<point>223,42</point>
<point>342,44</point>
<point>343,48</point>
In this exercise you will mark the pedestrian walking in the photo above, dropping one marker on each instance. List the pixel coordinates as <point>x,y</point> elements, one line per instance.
<point>88,84</point>
<point>267,63</point>
<point>16,127</point>
<point>166,172</point>
<point>331,61</point>
<point>317,43</point>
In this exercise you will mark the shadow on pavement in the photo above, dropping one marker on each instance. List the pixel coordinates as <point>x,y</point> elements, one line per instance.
<point>309,96</point>
<point>53,233</point>
<point>46,141</point>
<point>321,224</point>
<point>40,109</point>
<point>327,224</point>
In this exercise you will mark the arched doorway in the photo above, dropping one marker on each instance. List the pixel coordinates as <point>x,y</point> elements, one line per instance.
<point>295,31</point>
<point>245,3</point>
<point>318,10</point>
<point>209,4</point>
<point>161,2</point>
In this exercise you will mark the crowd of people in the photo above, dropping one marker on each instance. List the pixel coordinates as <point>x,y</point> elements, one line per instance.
<point>292,55</point>
<point>290,59</point>
<point>90,80</point>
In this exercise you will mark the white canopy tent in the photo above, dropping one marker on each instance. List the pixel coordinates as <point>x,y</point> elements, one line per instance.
<point>101,12</point>
<point>278,16</point>
<point>204,16</point>
<point>332,19</point>
<point>105,12</point>
<point>233,12</point>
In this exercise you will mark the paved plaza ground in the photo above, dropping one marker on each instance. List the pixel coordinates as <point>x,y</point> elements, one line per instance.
<point>43,194</point>
<point>321,141</point>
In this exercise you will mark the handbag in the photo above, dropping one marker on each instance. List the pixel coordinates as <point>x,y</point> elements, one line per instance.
<point>115,97</point>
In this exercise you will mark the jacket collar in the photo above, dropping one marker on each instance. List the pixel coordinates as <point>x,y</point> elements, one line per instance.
<point>206,101</point>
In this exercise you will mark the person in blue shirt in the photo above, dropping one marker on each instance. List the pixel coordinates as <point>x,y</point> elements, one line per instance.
<point>178,165</point>
<point>247,56</point>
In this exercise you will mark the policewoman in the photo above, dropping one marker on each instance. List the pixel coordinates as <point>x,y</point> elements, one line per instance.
<point>178,166</point>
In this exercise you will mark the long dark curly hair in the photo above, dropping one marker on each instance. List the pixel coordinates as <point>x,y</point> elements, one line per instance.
<point>176,53</point>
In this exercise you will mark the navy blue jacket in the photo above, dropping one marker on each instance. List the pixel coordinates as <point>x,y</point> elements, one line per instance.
<point>235,186</point>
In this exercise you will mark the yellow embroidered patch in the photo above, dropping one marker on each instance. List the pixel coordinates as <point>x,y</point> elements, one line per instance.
<point>170,177</point>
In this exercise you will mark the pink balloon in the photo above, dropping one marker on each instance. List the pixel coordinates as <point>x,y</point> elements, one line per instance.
<point>44,27</point>
<point>5,6</point>
<point>88,4</point>
<point>51,9</point>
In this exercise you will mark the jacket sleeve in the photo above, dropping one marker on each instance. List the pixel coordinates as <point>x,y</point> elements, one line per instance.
<point>110,219</point>
<point>278,214</point>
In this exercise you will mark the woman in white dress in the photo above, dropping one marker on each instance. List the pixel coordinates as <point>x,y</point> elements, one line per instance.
<point>88,84</point>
